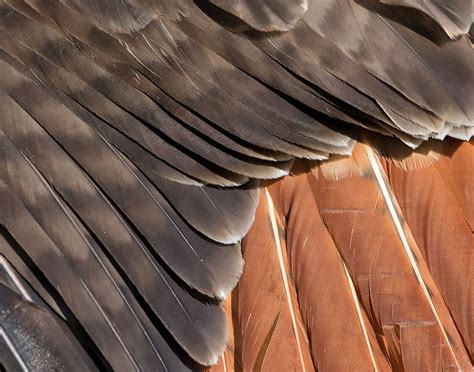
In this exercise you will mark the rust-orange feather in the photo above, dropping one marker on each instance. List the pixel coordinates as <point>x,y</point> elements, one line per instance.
<point>366,289</point>
<point>435,202</point>
<point>323,285</point>
<point>267,307</point>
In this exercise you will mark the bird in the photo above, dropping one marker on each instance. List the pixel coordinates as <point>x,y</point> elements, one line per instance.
<point>248,185</point>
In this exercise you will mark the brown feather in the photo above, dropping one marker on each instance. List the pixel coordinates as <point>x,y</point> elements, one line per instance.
<point>230,361</point>
<point>454,16</point>
<point>359,281</point>
<point>324,288</point>
<point>273,336</point>
<point>108,106</point>
<point>393,280</point>
<point>440,229</point>
<point>264,15</point>
<point>457,172</point>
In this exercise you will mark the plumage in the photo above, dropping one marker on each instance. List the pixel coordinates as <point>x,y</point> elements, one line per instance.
<point>264,15</point>
<point>147,273</point>
<point>267,312</point>
<point>423,64</point>
<point>339,79</point>
<point>30,328</point>
<point>314,315</point>
<point>153,153</point>
<point>369,273</point>
<point>388,263</point>
<point>321,316</point>
<point>425,190</point>
<point>453,16</point>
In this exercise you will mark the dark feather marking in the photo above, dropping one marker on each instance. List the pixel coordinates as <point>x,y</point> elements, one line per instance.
<point>266,343</point>
<point>49,343</point>
<point>72,321</point>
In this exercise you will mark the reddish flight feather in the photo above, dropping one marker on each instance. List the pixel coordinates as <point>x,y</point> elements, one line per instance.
<point>430,200</point>
<point>361,279</point>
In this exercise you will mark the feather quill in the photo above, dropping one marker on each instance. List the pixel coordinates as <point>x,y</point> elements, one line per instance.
<point>440,230</point>
<point>314,258</point>
<point>384,259</point>
<point>31,337</point>
<point>268,313</point>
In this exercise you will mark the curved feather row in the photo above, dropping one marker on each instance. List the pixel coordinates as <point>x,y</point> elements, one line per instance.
<point>134,135</point>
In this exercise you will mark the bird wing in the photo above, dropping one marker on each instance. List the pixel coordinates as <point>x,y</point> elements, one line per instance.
<point>134,135</point>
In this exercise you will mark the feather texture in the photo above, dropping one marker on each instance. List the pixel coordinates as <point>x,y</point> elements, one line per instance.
<point>26,323</point>
<point>373,222</point>
<point>135,136</point>
<point>264,15</point>
<point>397,306</point>
<point>419,64</point>
<point>428,203</point>
<point>455,17</point>
<point>268,313</point>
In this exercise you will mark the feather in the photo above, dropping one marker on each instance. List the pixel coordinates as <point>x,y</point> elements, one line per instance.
<point>268,313</point>
<point>207,277</point>
<point>39,292</point>
<point>427,154</point>
<point>325,304</point>
<point>128,16</point>
<point>264,15</point>
<point>309,55</point>
<point>229,360</point>
<point>422,63</point>
<point>83,296</point>
<point>297,128</point>
<point>141,51</point>
<point>457,172</point>
<point>442,234</point>
<point>118,114</point>
<point>134,136</point>
<point>453,16</point>
<point>116,16</point>
<point>147,274</point>
<point>104,82</point>
<point>246,56</point>
<point>229,212</point>
<point>387,268</point>
<point>303,297</point>
<point>31,337</point>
